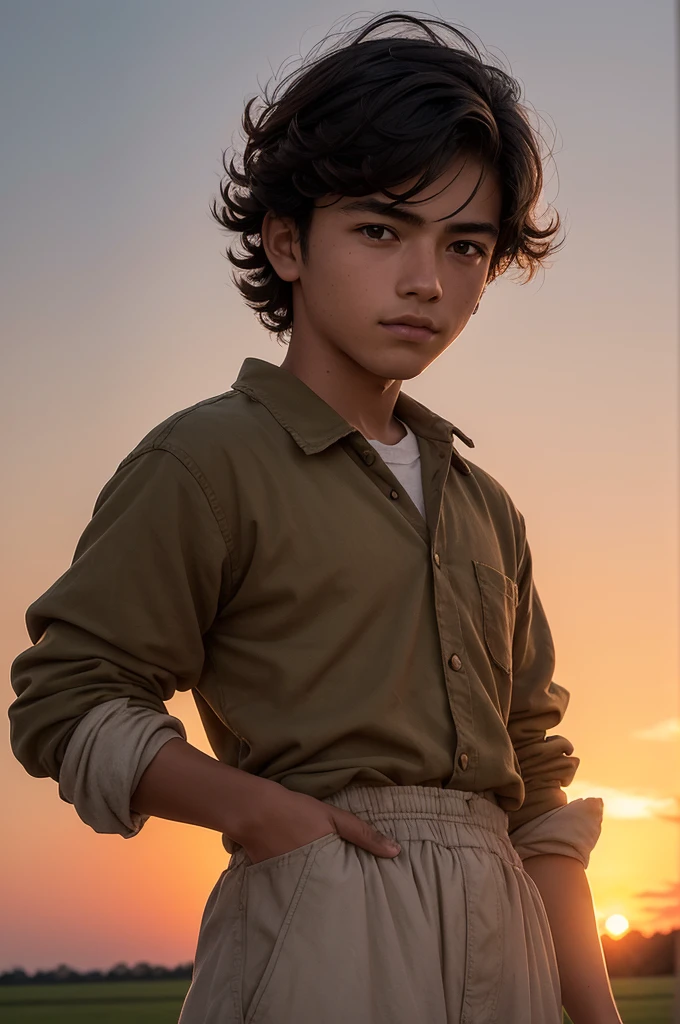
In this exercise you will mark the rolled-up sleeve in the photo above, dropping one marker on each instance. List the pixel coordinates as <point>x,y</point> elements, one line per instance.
<point>570,831</point>
<point>106,756</point>
<point>538,704</point>
<point>127,619</point>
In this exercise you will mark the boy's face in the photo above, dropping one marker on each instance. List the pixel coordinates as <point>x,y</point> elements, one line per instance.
<point>365,267</point>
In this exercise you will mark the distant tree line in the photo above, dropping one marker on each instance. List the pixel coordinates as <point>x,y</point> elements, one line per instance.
<point>634,956</point>
<point>120,972</point>
<point>629,957</point>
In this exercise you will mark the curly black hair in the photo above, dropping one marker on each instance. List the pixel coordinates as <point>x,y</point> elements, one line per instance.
<point>367,115</point>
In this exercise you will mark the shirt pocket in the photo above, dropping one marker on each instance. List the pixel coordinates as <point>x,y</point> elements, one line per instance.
<point>499,596</point>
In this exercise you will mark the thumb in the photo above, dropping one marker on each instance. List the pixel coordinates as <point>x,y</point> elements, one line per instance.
<point>359,832</point>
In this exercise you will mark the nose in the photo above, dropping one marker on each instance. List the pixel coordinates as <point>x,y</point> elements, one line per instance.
<point>420,275</point>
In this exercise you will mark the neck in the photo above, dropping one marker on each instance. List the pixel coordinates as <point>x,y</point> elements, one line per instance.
<point>365,400</point>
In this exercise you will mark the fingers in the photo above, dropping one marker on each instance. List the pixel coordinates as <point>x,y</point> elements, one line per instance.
<point>364,835</point>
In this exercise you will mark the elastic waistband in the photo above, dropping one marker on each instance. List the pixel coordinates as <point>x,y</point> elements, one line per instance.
<point>423,802</point>
<point>449,817</point>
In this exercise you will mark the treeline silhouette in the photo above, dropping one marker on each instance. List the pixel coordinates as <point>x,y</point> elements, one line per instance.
<point>120,972</point>
<point>633,956</point>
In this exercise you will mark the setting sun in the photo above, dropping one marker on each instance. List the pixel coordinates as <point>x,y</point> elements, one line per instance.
<point>616,925</point>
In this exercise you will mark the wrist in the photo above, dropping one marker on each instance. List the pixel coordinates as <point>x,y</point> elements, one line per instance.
<point>246,806</point>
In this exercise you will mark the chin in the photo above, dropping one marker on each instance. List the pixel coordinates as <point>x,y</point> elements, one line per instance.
<point>402,366</point>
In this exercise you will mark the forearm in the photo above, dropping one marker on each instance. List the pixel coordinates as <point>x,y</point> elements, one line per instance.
<point>182,783</point>
<point>563,885</point>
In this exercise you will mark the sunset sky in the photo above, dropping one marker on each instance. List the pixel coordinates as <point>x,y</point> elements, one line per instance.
<point>118,310</point>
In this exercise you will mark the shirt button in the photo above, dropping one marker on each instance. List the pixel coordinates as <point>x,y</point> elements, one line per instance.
<point>368,457</point>
<point>463,761</point>
<point>455,662</point>
<point>437,559</point>
<point>394,494</point>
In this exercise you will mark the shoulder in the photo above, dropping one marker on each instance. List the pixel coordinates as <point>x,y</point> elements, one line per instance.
<point>493,491</point>
<point>203,435</point>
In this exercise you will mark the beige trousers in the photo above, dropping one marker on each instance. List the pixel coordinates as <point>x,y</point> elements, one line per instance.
<point>451,931</point>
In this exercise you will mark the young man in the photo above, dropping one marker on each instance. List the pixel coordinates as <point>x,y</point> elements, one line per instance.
<point>350,600</point>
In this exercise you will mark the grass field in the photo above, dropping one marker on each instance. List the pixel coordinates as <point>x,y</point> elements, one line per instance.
<point>640,1000</point>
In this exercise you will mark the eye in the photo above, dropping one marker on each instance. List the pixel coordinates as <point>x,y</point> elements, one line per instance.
<point>375,227</point>
<point>478,250</point>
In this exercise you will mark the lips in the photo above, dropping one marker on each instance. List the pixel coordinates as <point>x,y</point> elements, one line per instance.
<point>409,332</point>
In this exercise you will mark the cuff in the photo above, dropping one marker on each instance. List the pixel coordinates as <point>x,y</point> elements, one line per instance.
<point>571,831</point>
<point>106,756</point>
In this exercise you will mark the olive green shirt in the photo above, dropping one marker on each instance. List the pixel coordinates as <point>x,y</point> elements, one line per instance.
<point>256,550</point>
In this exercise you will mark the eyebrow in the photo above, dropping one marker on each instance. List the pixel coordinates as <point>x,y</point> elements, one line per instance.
<point>398,213</point>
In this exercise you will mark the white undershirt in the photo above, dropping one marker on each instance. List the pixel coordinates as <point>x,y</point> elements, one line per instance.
<point>403,458</point>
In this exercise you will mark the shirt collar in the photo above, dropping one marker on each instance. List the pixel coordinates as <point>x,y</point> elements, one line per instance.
<point>314,425</point>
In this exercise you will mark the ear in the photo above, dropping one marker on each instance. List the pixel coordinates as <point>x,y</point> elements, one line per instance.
<point>279,236</point>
